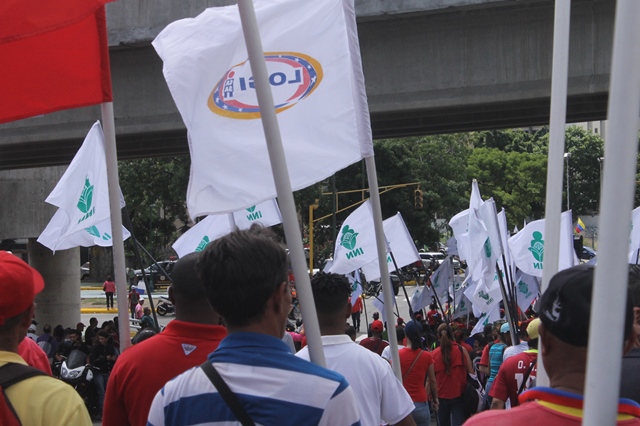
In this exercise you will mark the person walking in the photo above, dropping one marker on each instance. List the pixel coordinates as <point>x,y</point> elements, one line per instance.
<point>356,311</point>
<point>134,298</point>
<point>109,288</point>
<point>451,364</point>
<point>418,374</point>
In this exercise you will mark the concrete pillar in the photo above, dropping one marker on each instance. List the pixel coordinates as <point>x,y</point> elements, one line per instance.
<point>59,302</point>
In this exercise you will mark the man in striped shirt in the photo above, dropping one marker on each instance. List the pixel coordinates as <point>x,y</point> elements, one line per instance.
<point>245,277</point>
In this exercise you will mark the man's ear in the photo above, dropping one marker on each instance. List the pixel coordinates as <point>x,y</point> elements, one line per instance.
<point>282,298</point>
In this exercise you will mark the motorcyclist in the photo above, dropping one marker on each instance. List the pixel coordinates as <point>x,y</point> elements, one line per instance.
<point>103,357</point>
<point>72,342</point>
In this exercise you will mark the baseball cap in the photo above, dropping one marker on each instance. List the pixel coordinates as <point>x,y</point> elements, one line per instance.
<point>532,329</point>
<point>565,307</point>
<point>19,284</point>
<point>377,326</point>
<point>504,328</point>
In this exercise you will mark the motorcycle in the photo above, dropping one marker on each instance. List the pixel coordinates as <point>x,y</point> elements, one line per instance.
<point>164,306</point>
<point>76,372</point>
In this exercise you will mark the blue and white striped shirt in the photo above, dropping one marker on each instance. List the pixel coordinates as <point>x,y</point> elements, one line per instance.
<point>274,387</point>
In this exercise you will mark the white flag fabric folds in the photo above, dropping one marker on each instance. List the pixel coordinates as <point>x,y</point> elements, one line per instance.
<point>527,289</point>
<point>215,226</point>
<point>82,198</point>
<point>634,239</point>
<point>441,279</point>
<point>401,244</point>
<point>487,318</point>
<point>315,72</point>
<point>421,297</point>
<point>527,246</point>
<point>356,285</point>
<point>356,242</point>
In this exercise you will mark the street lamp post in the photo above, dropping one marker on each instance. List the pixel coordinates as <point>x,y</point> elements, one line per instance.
<point>567,155</point>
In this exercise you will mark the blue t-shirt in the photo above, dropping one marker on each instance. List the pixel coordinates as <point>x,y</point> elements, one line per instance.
<point>495,359</point>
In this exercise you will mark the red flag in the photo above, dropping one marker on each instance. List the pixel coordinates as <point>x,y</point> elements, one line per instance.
<point>54,56</point>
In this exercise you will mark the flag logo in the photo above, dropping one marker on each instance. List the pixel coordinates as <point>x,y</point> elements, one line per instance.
<point>293,76</point>
<point>94,231</point>
<point>487,248</point>
<point>462,306</point>
<point>348,241</point>
<point>203,243</point>
<point>524,289</point>
<point>85,201</point>
<point>537,249</point>
<point>253,215</point>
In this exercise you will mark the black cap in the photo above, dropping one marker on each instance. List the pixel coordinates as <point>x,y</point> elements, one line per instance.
<point>565,307</point>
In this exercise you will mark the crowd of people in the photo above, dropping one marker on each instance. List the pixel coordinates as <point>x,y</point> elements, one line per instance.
<point>228,358</point>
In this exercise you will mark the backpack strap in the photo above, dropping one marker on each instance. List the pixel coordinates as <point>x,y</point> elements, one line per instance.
<point>12,373</point>
<point>412,364</point>
<point>526,376</point>
<point>227,394</point>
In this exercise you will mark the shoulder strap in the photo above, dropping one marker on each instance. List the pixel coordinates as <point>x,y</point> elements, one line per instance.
<point>226,394</point>
<point>13,372</point>
<point>412,364</point>
<point>526,376</point>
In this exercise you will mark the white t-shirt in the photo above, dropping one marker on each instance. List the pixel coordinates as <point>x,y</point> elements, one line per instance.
<point>515,350</point>
<point>380,395</point>
<point>386,352</point>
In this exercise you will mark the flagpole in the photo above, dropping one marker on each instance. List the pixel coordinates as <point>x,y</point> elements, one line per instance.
<point>381,242</point>
<point>557,121</point>
<point>404,289</point>
<point>281,179</point>
<point>111,154</point>
<point>602,385</point>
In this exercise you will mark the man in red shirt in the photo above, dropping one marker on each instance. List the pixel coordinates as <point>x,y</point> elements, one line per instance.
<point>515,371</point>
<point>375,342</point>
<point>142,370</point>
<point>356,309</point>
<point>564,334</point>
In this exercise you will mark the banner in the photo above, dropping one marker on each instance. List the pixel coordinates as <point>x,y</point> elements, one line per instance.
<point>421,297</point>
<point>527,289</point>
<point>54,56</point>
<point>634,239</point>
<point>96,235</point>
<point>314,67</point>
<point>486,319</point>
<point>356,242</point>
<point>401,244</point>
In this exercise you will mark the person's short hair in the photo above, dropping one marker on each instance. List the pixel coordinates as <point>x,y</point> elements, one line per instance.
<point>46,328</point>
<point>93,321</point>
<point>376,315</point>
<point>147,311</point>
<point>185,278</point>
<point>104,334</point>
<point>240,272</point>
<point>330,292</point>
<point>565,307</point>
<point>400,333</point>
<point>351,332</point>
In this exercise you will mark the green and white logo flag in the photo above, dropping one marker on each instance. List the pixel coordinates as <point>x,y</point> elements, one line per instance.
<point>527,290</point>
<point>442,278</point>
<point>421,297</point>
<point>356,284</point>
<point>401,244</point>
<point>527,246</point>
<point>462,308</point>
<point>82,198</point>
<point>215,226</point>
<point>486,318</point>
<point>356,242</point>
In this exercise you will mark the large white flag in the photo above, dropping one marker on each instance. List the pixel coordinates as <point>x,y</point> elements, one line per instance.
<point>634,239</point>
<point>462,307</point>
<point>82,193</point>
<point>527,289</point>
<point>216,226</point>
<point>315,72</point>
<point>487,318</point>
<point>441,279</point>
<point>421,297</point>
<point>356,242</point>
<point>82,198</point>
<point>401,244</point>
<point>527,246</point>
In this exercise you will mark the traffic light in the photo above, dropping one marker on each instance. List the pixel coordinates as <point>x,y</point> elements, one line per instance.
<point>418,199</point>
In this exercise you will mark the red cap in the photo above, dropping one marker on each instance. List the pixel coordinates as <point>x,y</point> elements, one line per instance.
<point>19,284</point>
<point>377,326</point>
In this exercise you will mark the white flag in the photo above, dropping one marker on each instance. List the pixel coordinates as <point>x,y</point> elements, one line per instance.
<point>356,243</point>
<point>483,297</point>
<point>421,297</point>
<point>356,285</point>
<point>378,303</point>
<point>82,193</point>
<point>527,246</point>
<point>634,239</point>
<point>527,289</point>
<point>487,318</point>
<point>216,226</point>
<point>401,244</point>
<point>462,308</point>
<point>315,72</point>
<point>442,278</point>
<point>82,198</point>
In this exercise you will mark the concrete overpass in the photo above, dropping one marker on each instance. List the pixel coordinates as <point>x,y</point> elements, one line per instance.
<point>431,66</point>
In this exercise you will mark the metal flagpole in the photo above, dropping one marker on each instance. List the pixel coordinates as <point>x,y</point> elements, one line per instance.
<point>110,151</point>
<point>602,385</point>
<point>404,289</point>
<point>381,242</point>
<point>281,178</point>
<point>555,165</point>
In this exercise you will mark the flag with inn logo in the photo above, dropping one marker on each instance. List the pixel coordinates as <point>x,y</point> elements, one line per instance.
<point>401,244</point>
<point>527,289</point>
<point>356,242</point>
<point>54,56</point>
<point>487,318</point>
<point>81,195</point>
<point>527,246</point>
<point>315,73</point>
<point>96,235</point>
<point>215,226</point>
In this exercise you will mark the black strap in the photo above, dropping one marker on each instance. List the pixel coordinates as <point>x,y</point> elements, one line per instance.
<point>226,394</point>
<point>414,363</point>
<point>526,376</point>
<point>12,373</point>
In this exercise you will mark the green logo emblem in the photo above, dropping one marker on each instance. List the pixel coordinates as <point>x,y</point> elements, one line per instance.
<point>85,201</point>
<point>483,295</point>
<point>348,238</point>
<point>354,286</point>
<point>96,233</point>
<point>462,306</point>
<point>537,246</point>
<point>486,320</point>
<point>487,248</point>
<point>523,287</point>
<point>251,209</point>
<point>203,243</point>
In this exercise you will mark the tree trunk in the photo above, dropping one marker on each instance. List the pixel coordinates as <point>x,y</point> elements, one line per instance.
<point>101,263</point>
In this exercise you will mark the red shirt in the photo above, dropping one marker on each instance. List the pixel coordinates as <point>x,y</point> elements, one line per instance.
<point>357,306</point>
<point>374,345</point>
<point>34,355</point>
<point>450,385</point>
<point>430,316</point>
<point>109,287</point>
<point>142,370</point>
<point>484,359</point>
<point>511,374</point>
<point>414,382</point>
